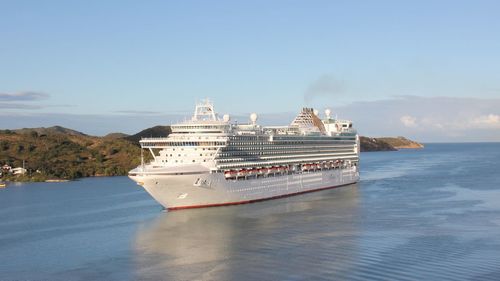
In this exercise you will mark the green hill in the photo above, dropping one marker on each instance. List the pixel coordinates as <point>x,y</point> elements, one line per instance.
<point>153,132</point>
<point>49,130</point>
<point>375,144</point>
<point>116,136</point>
<point>60,153</point>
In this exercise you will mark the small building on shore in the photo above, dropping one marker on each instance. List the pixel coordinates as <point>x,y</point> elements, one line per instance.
<point>18,171</point>
<point>6,168</point>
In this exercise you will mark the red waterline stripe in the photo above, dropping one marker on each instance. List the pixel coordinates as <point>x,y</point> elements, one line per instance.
<point>254,200</point>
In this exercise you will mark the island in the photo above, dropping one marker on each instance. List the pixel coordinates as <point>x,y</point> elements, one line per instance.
<point>388,144</point>
<point>55,154</point>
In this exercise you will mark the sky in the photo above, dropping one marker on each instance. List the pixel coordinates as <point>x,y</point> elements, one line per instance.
<point>428,70</point>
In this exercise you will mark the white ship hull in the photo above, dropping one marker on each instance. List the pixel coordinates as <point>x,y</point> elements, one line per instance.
<point>212,189</point>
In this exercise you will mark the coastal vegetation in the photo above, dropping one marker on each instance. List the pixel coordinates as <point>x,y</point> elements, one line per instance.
<point>401,143</point>
<point>57,153</point>
<point>388,144</point>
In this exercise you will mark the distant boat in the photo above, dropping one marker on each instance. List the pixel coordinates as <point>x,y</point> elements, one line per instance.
<point>2,185</point>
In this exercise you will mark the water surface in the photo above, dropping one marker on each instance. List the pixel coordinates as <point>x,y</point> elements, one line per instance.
<point>431,214</point>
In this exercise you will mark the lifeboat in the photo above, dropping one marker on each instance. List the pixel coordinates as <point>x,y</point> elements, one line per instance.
<point>230,174</point>
<point>242,173</point>
<point>252,172</point>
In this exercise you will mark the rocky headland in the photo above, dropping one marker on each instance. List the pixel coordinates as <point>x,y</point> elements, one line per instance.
<point>388,144</point>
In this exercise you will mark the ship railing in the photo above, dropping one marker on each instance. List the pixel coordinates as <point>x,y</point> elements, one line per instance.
<point>154,139</point>
<point>243,164</point>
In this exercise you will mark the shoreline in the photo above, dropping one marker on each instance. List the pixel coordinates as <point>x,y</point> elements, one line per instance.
<point>10,180</point>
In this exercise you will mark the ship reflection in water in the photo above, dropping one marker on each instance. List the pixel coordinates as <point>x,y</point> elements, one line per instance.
<point>313,236</point>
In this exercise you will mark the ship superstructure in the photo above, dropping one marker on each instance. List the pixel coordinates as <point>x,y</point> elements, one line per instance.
<point>211,161</point>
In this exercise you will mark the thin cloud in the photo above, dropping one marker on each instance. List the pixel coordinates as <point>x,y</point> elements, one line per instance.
<point>61,105</point>
<point>427,118</point>
<point>487,121</point>
<point>325,86</point>
<point>4,105</point>
<point>23,96</point>
<point>408,121</point>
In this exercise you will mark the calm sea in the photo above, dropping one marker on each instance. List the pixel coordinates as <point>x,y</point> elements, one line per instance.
<point>431,214</point>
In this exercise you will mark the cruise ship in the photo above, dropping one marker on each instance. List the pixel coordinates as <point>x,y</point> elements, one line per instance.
<point>209,161</point>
